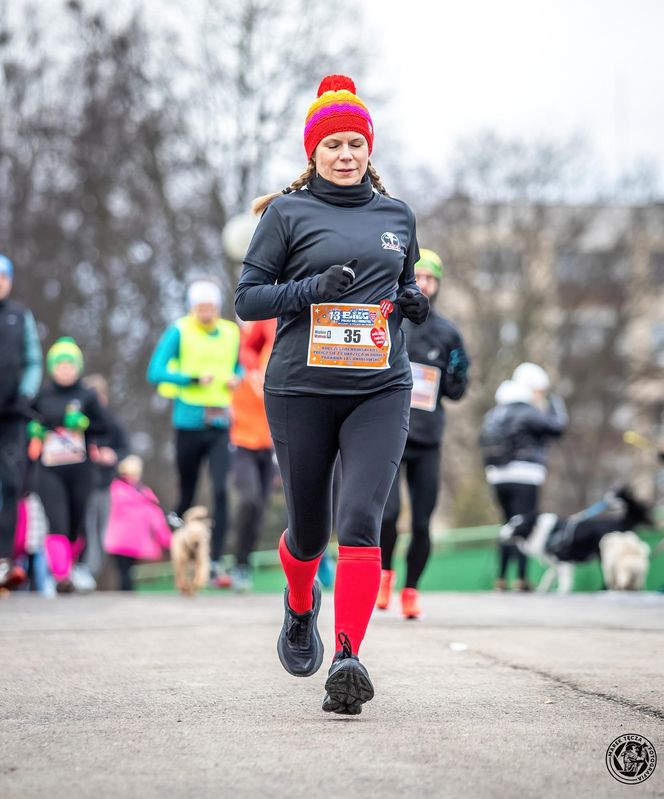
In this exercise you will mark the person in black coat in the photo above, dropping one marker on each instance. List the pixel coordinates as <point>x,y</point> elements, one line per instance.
<point>515,438</point>
<point>20,377</point>
<point>439,365</point>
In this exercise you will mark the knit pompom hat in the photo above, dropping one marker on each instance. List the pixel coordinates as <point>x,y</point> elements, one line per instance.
<point>336,109</point>
<point>64,349</point>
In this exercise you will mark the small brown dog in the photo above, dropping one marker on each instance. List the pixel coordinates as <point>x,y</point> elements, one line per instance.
<point>190,551</point>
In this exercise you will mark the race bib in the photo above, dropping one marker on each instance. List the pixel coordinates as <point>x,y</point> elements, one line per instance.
<point>350,336</point>
<point>214,416</point>
<point>426,380</point>
<point>63,447</point>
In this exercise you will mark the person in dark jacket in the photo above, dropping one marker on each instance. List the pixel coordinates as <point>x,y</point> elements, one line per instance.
<point>72,424</point>
<point>333,258</point>
<point>440,369</point>
<point>521,427</point>
<point>108,451</point>
<point>20,377</point>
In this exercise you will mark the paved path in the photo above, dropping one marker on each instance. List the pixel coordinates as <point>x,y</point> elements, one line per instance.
<point>490,696</point>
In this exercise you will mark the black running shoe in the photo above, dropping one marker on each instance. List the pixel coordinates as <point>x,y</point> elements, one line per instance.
<point>348,683</point>
<point>299,647</point>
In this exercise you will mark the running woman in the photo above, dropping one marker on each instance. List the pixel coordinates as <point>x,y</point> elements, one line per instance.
<point>440,369</point>
<point>333,258</point>
<point>72,424</point>
<point>196,363</point>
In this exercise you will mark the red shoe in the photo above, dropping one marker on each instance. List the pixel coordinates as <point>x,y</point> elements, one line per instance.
<point>410,603</point>
<point>223,581</point>
<point>11,575</point>
<point>385,590</point>
<point>219,576</point>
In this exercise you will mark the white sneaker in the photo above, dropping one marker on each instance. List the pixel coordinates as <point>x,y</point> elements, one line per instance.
<point>82,580</point>
<point>241,579</point>
<point>174,521</point>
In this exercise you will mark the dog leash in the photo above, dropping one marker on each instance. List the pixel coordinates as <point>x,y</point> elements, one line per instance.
<point>583,515</point>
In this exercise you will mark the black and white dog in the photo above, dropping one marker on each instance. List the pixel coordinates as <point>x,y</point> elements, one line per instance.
<point>563,541</point>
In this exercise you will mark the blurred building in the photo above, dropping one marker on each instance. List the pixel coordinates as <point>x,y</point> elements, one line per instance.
<point>578,289</point>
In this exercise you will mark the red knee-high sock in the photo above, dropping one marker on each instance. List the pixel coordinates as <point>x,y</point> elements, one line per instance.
<point>355,592</point>
<point>300,575</point>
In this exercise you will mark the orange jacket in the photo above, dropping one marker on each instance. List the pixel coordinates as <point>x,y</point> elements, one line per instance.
<point>250,428</point>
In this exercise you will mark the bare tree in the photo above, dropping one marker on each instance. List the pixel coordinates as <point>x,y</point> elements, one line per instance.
<point>122,155</point>
<point>262,62</point>
<point>533,275</point>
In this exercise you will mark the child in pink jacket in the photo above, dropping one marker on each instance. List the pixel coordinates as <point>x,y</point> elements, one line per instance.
<point>137,528</point>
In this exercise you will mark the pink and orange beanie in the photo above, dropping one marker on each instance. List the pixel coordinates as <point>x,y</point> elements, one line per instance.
<point>337,108</point>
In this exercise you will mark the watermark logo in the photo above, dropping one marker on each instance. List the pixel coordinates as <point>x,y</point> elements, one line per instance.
<point>631,759</point>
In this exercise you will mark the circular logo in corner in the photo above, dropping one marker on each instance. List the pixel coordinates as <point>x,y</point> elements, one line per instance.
<point>631,759</point>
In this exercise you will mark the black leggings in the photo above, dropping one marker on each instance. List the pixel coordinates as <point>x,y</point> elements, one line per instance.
<point>191,447</point>
<point>422,470</point>
<point>368,431</point>
<point>13,462</point>
<point>125,565</point>
<point>253,470</point>
<point>514,498</point>
<point>64,492</point>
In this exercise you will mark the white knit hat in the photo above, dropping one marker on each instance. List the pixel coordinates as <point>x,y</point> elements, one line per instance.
<point>203,292</point>
<point>510,391</point>
<point>531,375</point>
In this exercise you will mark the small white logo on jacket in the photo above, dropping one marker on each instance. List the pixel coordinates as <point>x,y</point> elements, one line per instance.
<point>390,241</point>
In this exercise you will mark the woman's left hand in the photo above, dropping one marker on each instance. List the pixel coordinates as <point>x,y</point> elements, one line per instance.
<point>414,306</point>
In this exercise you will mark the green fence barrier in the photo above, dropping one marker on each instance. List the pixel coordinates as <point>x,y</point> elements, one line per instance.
<point>461,560</point>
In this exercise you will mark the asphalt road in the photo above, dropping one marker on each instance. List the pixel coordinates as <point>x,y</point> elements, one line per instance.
<point>490,696</point>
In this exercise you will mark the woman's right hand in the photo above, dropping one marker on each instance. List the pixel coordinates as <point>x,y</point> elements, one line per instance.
<point>335,280</point>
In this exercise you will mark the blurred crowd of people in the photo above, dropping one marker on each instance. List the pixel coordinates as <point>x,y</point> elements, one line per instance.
<point>72,491</point>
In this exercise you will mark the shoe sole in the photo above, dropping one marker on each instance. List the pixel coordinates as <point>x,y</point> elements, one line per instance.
<point>319,641</point>
<point>347,690</point>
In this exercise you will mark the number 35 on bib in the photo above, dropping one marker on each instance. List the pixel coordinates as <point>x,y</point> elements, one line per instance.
<point>349,336</point>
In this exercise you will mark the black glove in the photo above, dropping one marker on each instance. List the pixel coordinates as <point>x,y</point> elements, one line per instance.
<point>335,280</point>
<point>414,306</point>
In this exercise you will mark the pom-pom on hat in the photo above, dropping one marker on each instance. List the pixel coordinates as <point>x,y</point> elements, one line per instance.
<point>64,349</point>
<point>336,109</point>
<point>429,262</point>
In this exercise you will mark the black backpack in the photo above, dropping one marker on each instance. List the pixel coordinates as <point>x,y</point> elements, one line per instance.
<point>497,440</point>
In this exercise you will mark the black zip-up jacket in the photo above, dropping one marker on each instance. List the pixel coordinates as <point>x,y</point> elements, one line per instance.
<point>299,236</point>
<point>52,401</point>
<point>438,343</point>
<point>531,429</point>
<point>12,336</point>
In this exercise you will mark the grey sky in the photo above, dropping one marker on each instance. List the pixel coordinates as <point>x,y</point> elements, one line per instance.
<point>524,67</point>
